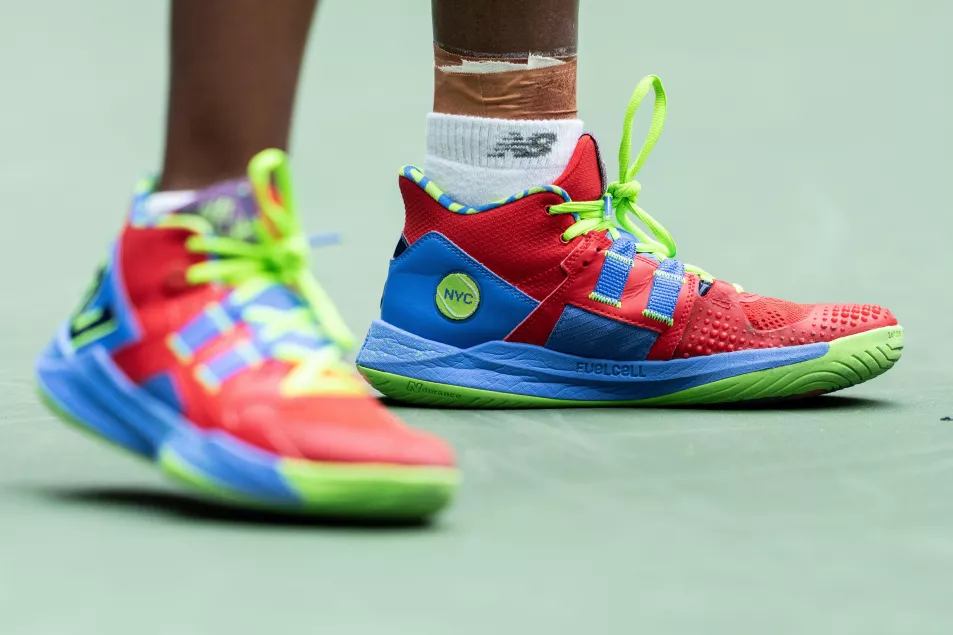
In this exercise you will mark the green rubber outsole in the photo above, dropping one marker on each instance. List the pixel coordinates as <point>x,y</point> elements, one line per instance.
<point>334,490</point>
<point>849,361</point>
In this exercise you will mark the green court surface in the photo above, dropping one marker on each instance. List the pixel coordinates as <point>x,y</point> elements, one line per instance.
<point>807,155</point>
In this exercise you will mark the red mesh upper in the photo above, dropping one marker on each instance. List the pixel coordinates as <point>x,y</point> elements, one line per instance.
<point>768,314</point>
<point>724,320</point>
<point>250,405</point>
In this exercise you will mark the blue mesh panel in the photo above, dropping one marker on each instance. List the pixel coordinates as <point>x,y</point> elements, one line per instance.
<point>579,332</point>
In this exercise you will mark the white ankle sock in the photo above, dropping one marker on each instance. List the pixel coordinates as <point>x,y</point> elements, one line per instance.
<point>477,160</point>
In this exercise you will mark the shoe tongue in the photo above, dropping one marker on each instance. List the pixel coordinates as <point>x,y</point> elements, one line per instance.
<point>585,176</point>
<point>230,207</point>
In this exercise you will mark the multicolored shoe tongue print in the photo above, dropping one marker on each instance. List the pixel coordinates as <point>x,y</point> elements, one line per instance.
<point>230,208</point>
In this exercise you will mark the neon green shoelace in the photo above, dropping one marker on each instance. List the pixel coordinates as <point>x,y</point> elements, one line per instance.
<point>616,209</point>
<point>281,255</point>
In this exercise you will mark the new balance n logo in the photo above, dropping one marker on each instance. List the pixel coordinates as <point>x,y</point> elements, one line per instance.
<point>513,143</point>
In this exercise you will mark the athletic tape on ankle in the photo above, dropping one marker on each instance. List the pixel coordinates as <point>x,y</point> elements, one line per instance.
<point>547,91</point>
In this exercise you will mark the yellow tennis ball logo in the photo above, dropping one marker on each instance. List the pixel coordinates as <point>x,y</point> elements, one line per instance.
<point>458,296</point>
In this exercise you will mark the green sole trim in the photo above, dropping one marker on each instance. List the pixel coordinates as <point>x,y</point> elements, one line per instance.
<point>389,491</point>
<point>332,490</point>
<point>176,467</point>
<point>849,361</point>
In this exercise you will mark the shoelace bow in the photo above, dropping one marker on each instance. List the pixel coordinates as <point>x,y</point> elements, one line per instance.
<point>615,210</point>
<point>280,255</point>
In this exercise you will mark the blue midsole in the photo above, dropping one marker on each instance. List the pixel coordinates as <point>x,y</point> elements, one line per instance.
<point>526,369</point>
<point>89,387</point>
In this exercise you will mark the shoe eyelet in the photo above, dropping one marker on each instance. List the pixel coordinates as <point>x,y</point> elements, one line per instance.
<point>548,208</point>
<point>585,263</point>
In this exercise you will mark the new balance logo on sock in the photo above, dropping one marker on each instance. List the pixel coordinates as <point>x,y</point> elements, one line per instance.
<point>519,147</point>
<point>478,160</point>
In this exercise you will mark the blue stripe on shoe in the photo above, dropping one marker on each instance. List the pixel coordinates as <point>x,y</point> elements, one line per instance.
<point>667,282</point>
<point>223,367</point>
<point>205,327</point>
<point>615,271</point>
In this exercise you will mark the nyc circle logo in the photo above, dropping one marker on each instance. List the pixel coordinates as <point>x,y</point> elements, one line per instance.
<point>458,296</point>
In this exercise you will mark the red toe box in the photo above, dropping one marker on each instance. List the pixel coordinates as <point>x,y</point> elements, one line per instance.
<point>724,320</point>
<point>336,429</point>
